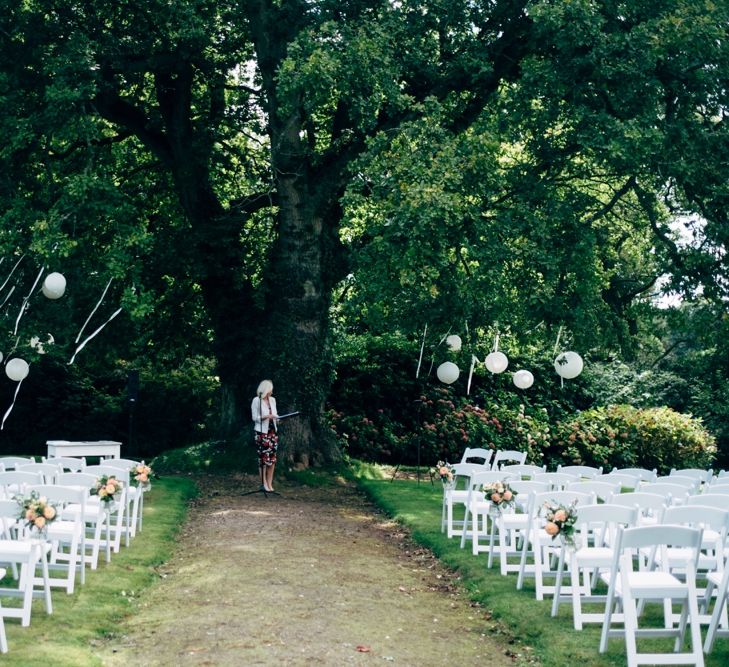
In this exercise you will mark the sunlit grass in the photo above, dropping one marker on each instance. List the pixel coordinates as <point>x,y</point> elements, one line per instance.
<point>554,640</point>
<point>94,611</point>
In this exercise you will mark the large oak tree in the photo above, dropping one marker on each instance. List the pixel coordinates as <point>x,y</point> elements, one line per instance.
<point>217,140</point>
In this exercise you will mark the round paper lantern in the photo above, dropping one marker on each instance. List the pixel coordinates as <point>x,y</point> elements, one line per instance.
<point>496,362</point>
<point>568,365</point>
<point>17,369</point>
<point>523,379</point>
<point>448,372</point>
<point>54,286</point>
<point>454,343</point>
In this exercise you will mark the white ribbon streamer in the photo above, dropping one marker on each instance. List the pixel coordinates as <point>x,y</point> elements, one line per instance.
<point>10,275</point>
<point>81,347</point>
<point>24,305</point>
<point>10,409</point>
<point>422,347</point>
<point>96,307</point>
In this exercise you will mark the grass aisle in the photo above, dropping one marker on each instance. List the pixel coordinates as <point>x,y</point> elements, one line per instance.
<point>93,613</point>
<point>554,640</point>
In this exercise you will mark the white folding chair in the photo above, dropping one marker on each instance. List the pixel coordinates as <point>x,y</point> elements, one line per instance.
<point>120,516</point>
<point>511,525</point>
<point>25,556</point>
<point>3,636</point>
<point>508,456</point>
<point>716,489</point>
<point>719,500</point>
<point>477,508</point>
<point>717,584</point>
<point>456,496</point>
<point>524,470</point>
<point>691,484</point>
<point>67,535</point>
<point>589,472</point>
<point>97,519</point>
<point>596,530</point>
<point>483,455</point>
<point>652,582</point>
<point>540,545</point>
<point>135,494</point>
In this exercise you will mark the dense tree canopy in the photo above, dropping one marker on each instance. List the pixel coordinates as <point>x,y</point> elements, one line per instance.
<point>230,164</point>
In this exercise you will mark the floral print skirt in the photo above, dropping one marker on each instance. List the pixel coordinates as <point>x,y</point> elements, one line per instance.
<point>267,445</point>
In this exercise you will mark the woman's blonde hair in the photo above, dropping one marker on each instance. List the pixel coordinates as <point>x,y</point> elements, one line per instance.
<point>264,388</point>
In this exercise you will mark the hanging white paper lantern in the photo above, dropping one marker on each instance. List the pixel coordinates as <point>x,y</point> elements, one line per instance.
<point>54,286</point>
<point>448,372</point>
<point>568,365</point>
<point>496,362</point>
<point>17,369</point>
<point>454,343</point>
<point>523,379</point>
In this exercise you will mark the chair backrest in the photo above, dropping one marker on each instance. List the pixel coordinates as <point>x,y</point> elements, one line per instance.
<point>527,470</point>
<point>471,453</point>
<point>560,498</point>
<point>602,522</point>
<point>85,480</point>
<point>122,474</point>
<point>558,480</point>
<point>589,472</point>
<point>16,481</point>
<point>676,492</point>
<point>603,491</point>
<point>661,534</point>
<point>696,473</point>
<point>717,482</point>
<point>12,462</point>
<point>699,516</point>
<point>69,463</point>
<point>49,470</point>
<point>644,501</point>
<point>690,483</point>
<point>63,495</point>
<point>717,489</point>
<point>510,455</point>
<point>626,480</point>
<point>641,473</point>
<point>719,500</point>
<point>480,478</point>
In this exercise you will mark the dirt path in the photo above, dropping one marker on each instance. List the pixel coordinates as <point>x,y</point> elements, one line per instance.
<point>314,577</point>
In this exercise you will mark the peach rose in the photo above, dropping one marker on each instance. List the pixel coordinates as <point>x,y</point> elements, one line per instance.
<point>30,515</point>
<point>560,515</point>
<point>551,528</point>
<point>508,495</point>
<point>110,488</point>
<point>102,492</point>
<point>49,512</point>
<point>495,497</point>
<point>40,522</point>
<point>143,477</point>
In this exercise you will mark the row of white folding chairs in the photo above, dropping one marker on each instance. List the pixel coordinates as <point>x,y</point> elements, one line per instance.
<point>69,546</point>
<point>600,522</point>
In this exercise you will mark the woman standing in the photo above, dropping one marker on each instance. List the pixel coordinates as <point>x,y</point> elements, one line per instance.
<point>265,423</point>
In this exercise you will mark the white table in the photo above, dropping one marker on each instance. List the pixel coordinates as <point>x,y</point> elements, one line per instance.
<point>102,448</point>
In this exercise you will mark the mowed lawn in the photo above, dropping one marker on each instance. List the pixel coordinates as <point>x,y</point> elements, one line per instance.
<point>555,642</point>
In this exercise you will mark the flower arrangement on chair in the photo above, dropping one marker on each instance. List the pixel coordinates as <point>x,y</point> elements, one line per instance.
<point>141,475</point>
<point>561,522</point>
<point>36,512</point>
<point>500,494</point>
<point>445,471</point>
<point>108,488</point>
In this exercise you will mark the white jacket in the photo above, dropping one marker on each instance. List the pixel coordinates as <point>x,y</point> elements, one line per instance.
<point>260,422</point>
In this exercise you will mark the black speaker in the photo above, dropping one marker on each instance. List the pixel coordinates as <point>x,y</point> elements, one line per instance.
<point>133,385</point>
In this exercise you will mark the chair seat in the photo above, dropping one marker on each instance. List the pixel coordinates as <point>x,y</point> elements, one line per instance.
<point>596,556</point>
<point>643,584</point>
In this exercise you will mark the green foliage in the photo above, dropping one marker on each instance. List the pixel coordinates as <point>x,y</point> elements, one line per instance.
<point>622,435</point>
<point>209,457</point>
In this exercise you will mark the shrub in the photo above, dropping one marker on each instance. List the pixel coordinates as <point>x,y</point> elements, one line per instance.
<point>621,435</point>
